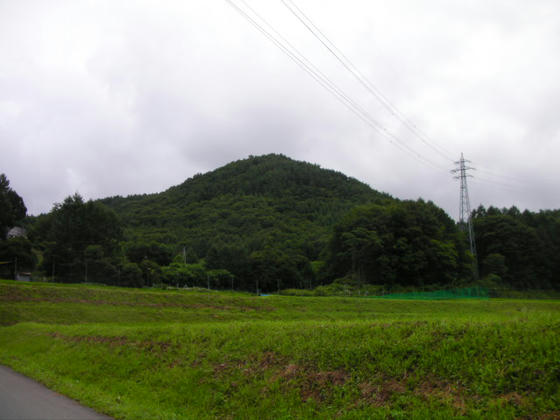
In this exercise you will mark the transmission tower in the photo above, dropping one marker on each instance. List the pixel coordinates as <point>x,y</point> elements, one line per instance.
<point>465,220</point>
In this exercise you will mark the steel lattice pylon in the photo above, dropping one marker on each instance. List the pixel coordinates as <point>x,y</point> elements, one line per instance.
<point>465,220</point>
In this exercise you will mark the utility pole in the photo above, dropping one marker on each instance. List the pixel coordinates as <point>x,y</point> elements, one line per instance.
<point>465,220</point>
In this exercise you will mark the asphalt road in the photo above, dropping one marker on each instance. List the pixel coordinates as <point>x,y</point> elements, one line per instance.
<point>22,398</point>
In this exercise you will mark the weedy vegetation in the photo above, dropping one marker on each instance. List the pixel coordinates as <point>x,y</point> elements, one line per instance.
<point>185,354</point>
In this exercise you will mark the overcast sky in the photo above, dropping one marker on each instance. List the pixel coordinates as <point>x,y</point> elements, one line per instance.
<point>124,97</point>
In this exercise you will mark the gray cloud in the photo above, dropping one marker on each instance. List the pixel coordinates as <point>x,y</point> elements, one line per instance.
<point>125,97</point>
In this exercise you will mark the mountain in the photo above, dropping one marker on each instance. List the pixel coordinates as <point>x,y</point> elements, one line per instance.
<point>260,203</point>
<point>269,223</point>
<point>270,194</point>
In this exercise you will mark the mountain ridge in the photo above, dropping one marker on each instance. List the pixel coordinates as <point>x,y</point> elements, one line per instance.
<point>264,161</point>
<point>285,183</point>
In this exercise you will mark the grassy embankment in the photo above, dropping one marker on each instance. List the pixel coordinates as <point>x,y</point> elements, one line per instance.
<point>181,354</point>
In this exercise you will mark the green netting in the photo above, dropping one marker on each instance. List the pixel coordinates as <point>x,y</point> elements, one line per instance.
<point>463,293</point>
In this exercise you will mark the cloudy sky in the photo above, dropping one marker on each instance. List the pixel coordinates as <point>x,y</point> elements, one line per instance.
<point>124,97</point>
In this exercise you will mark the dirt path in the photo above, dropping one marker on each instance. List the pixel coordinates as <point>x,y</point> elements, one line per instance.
<point>23,398</point>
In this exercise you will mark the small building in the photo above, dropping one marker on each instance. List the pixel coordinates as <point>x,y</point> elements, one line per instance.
<point>23,276</point>
<point>16,232</point>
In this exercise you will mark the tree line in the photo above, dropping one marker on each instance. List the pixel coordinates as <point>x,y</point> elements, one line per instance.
<point>270,223</point>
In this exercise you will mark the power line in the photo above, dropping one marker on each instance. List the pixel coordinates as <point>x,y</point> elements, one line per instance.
<point>322,79</point>
<point>325,82</point>
<point>301,60</point>
<point>349,65</point>
<point>363,80</point>
<point>482,180</point>
<point>498,175</point>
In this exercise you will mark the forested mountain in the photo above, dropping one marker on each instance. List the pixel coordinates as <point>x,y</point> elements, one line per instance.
<point>267,211</point>
<point>270,193</point>
<point>268,223</point>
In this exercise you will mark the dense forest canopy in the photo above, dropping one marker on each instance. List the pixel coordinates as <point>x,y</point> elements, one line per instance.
<point>410,243</point>
<point>521,248</point>
<point>12,208</point>
<point>13,250</point>
<point>268,223</point>
<point>264,219</point>
<point>76,234</point>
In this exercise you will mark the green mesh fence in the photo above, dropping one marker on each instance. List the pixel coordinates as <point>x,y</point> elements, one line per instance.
<point>463,293</point>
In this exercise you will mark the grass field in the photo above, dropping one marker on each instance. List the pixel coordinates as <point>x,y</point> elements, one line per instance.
<point>193,354</point>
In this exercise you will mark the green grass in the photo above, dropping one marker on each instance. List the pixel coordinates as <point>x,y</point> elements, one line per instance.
<point>183,354</point>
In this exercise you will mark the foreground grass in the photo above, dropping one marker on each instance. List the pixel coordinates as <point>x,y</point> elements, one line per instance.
<point>141,354</point>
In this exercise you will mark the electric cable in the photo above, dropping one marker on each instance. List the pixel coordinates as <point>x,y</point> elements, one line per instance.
<point>364,81</point>
<point>326,83</point>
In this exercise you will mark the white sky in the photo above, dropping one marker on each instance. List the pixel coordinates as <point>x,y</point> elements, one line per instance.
<point>124,97</point>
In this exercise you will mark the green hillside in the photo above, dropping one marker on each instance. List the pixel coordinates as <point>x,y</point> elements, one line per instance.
<point>270,223</point>
<point>253,201</point>
<point>272,205</point>
<point>260,224</point>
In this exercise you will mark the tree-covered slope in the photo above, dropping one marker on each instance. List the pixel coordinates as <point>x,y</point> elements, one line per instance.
<point>269,223</point>
<point>290,186</point>
<point>269,204</point>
